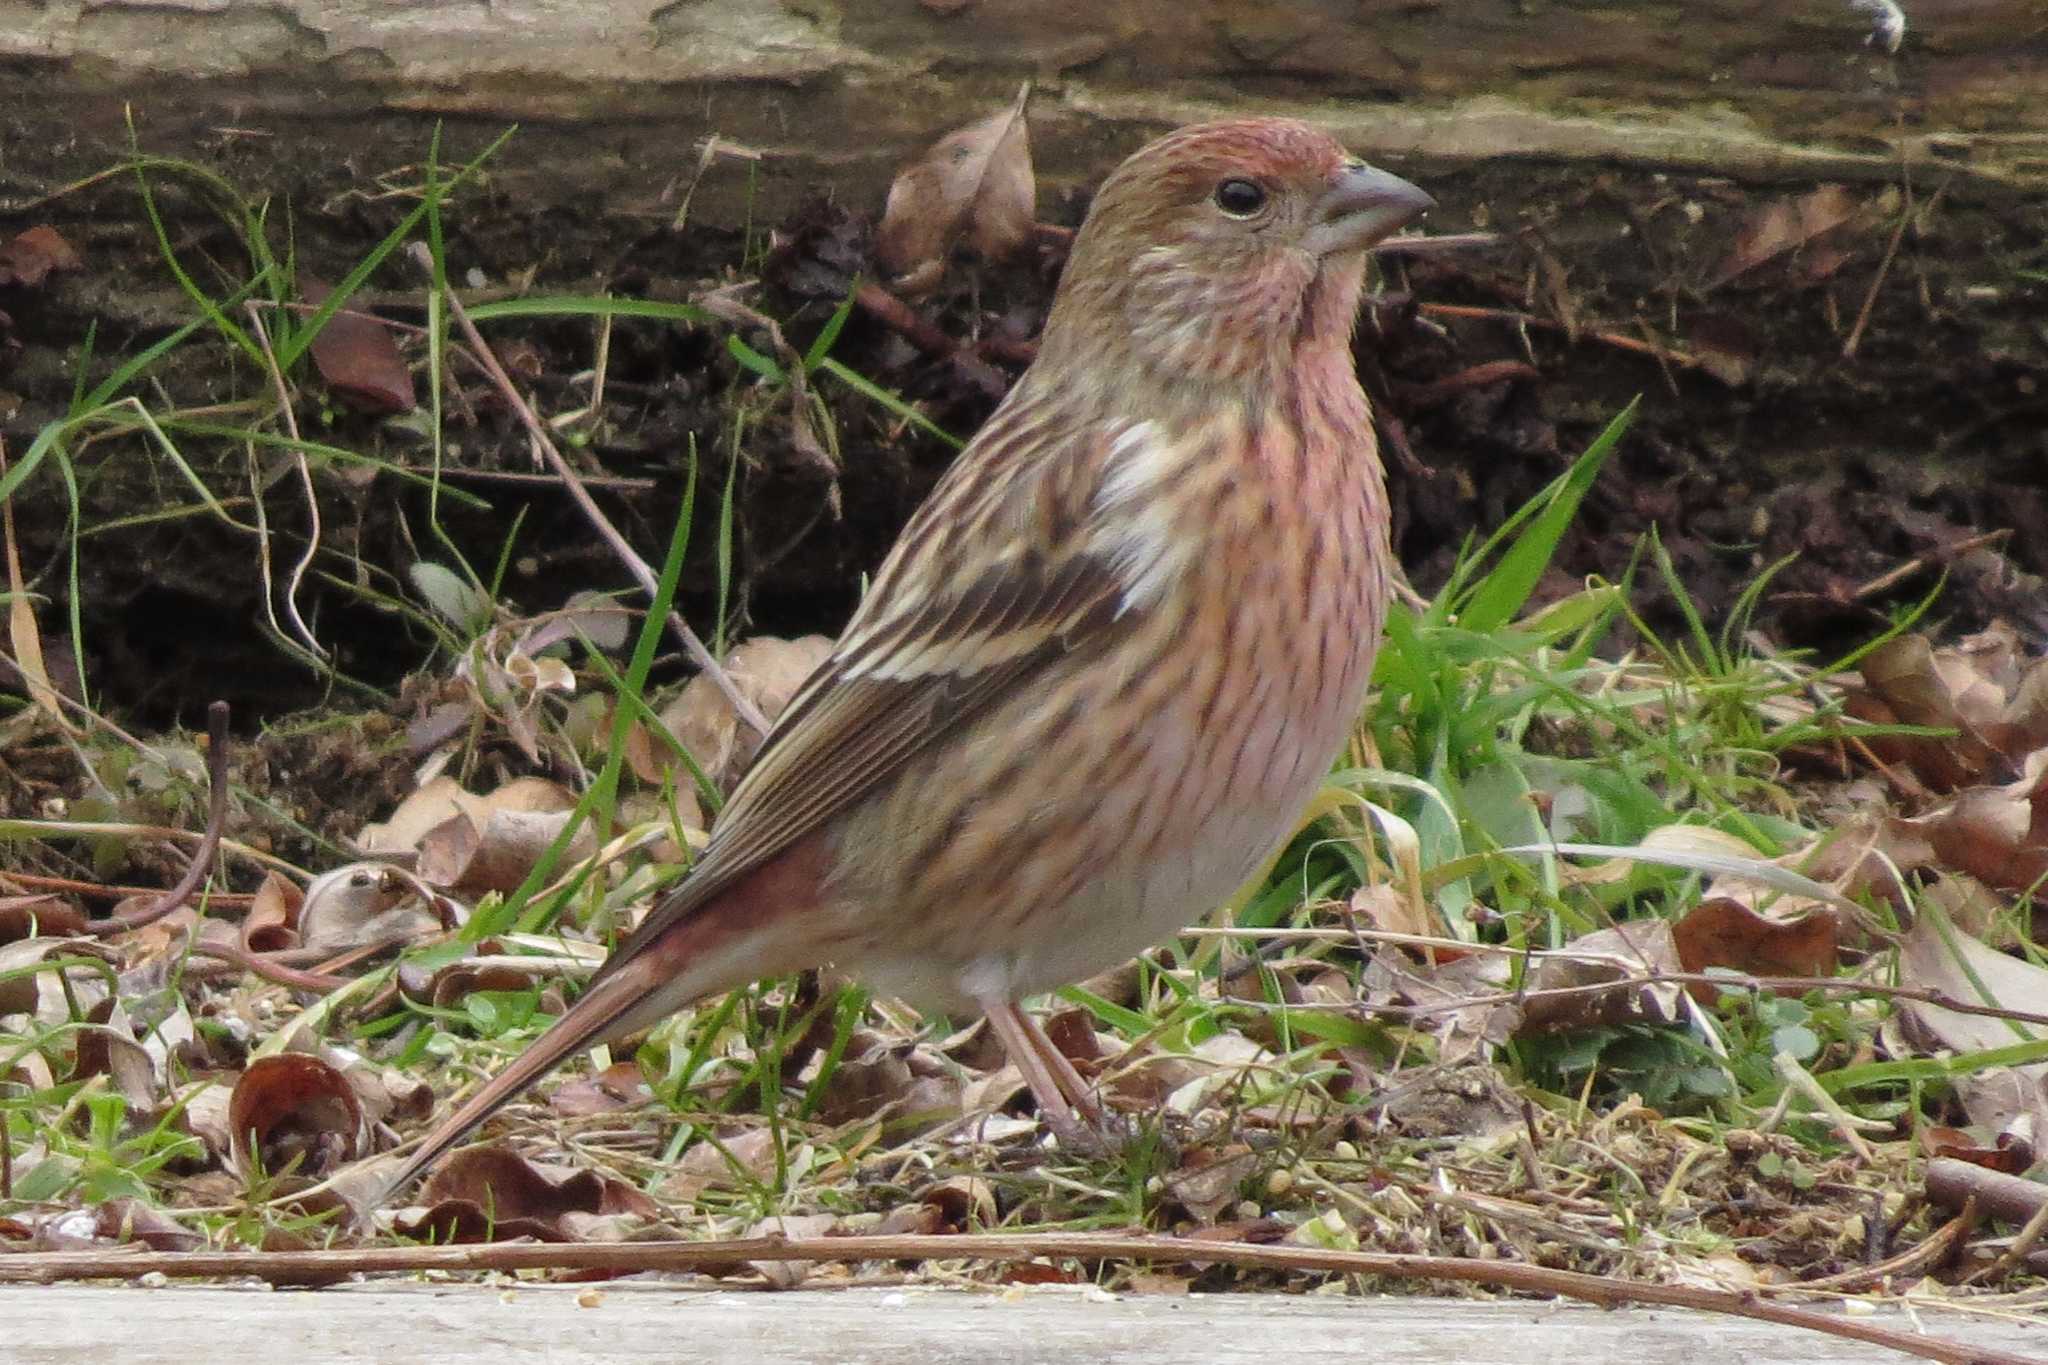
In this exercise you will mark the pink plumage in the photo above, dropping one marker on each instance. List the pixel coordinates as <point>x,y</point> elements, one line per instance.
<point>1109,659</point>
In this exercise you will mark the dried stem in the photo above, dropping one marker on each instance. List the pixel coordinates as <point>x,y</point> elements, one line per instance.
<point>209,843</point>
<point>638,567</point>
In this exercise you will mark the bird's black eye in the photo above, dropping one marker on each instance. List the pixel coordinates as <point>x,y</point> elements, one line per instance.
<point>1240,198</point>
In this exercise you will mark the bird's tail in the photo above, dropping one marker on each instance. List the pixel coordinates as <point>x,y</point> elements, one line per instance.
<point>686,964</point>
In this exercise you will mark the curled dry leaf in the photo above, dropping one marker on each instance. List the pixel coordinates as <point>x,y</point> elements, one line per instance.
<point>124,1220</point>
<point>1908,680</point>
<point>1998,835</point>
<point>444,796</point>
<point>1723,932</point>
<point>271,926</point>
<point>767,671</point>
<point>1936,956</point>
<point>452,983</point>
<point>1618,953</point>
<point>734,1161</point>
<point>111,1052</point>
<point>32,256</point>
<point>458,855</point>
<point>791,1227</point>
<point>975,185</point>
<point>364,903</point>
<point>1387,908</point>
<point>24,990</point>
<point>1208,1181</point>
<point>619,1086</point>
<point>293,1110</point>
<point>490,1193</point>
<point>1786,225</point>
<point>358,357</point>
<point>963,1203</point>
<point>29,916</point>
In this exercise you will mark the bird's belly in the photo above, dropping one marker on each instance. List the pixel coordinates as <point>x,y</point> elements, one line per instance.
<point>1034,887</point>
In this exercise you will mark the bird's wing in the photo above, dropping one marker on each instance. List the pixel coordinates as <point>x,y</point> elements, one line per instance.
<point>995,578</point>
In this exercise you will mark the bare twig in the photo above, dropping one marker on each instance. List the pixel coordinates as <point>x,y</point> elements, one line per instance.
<point>269,968</point>
<point>893,313</point>
<point>1906,215</point>
<point>103,891</point>
<point>626,1258</point>
<point>202,856</point>
<point>1884,268</point>
<point>1619,341</point>
<point>2023,1243</point>
<point>1430,246</point>
<point>1931,1253</point>
<point>1953,1183</point>
<point>638,567</point>
<point>1473,377</point>
<point>1891,578</point>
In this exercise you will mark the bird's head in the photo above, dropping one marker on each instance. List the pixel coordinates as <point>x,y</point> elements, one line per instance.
<point>1217,252</point>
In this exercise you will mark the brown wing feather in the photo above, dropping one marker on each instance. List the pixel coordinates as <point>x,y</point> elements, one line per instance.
<point>911,668</point>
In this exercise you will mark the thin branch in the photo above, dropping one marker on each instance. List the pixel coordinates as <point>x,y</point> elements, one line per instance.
<point>638,567</point>
<point>270,969</point>
<point>1619,341</point>
<point>627,1258</point>
<point>1930,1253</point>
<point>73,886</point>
<point>1947,554</point>
<point>201,865</point>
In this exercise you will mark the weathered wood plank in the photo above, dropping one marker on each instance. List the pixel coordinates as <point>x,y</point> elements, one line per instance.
<point>1728,86</point>
<point>461,1325</point>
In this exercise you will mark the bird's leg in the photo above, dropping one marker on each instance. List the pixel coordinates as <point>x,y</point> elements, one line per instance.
<point>1066,1101</point>
<point>1077,1090</point>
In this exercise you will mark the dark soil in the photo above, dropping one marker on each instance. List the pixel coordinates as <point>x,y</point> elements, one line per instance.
<point>1603,287</point>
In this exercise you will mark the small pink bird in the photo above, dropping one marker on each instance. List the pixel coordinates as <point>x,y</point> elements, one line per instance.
<point>1109,660</point>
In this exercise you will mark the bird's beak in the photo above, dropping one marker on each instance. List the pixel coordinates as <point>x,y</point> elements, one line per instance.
<point>1362,207</point>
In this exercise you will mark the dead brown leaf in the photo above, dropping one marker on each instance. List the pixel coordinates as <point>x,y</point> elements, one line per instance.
<point>1721,931</point>
<point>1785,225</point>
<point>975,185</point>
<point>767,671</point>
<point>293,1110</point>
<point>2002,1102</point>
<point>491,1193</point>
<point>363,903</point>
<point>358,357</point>
<point>1907,680</point>
<point>1208,1181</point>
<point>791,1226</point>
<point>32,256</point>
<point>27,916</point>
<point>123,1220</point>
<point>461,857</point>
<point>619,1086</point>
<point>271,926</point>
<point>711,1165</point>
<point>444,796</point>
<point>107,1047</point>
<point>1998,835</point>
